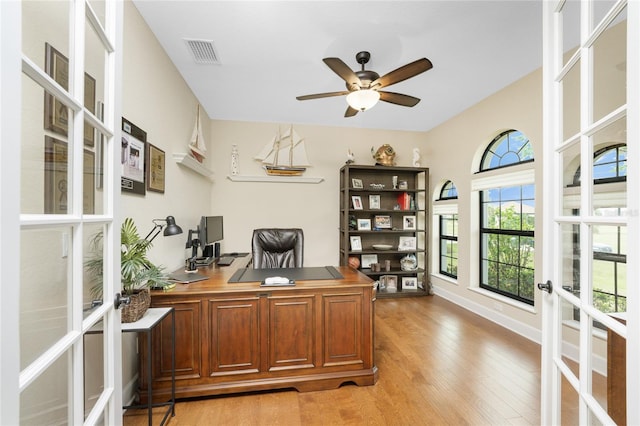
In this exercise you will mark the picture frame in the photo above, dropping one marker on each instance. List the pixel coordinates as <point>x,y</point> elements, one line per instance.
<point>364,224</point>
<point>357,183</point>
<point>409,223</point>
<point>99,150</point>
<point>382,222</point>
<point>368,259</point>
<point>374,202</point>
<point>407,243</point>
<point>56,114</point>
<point>356,200</point>
<point>409,283</point>
<point>389,283</point>
<point>56,178</point>
<point>132,158</point>
<point>356,243</point>
<point>155,168</point>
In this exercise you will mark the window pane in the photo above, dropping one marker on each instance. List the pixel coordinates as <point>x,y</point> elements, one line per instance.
<point>610,70</point>
<point>46,401</point>
<point>44,291</point>
<point>571,98</point>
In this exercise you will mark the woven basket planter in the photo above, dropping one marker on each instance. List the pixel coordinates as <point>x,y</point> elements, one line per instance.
<point>140,302</point>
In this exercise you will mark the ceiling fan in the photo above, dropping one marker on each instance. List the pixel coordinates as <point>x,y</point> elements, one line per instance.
<point>363,87</point>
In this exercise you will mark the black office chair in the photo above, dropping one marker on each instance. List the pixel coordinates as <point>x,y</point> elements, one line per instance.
<point>277,248</point>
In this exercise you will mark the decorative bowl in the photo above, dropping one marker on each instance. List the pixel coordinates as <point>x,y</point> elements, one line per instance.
<point>382,246</point>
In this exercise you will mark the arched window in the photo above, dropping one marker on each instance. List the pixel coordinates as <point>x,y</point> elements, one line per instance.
<point>609,268</point>
<point>506,149</point>
<point>507,218</point>
<point>448,233</point>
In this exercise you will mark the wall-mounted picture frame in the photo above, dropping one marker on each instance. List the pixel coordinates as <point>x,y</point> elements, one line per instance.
<point>56,114</point>
<point>356,200</point>
<point>357,183</point>
<point>407,243</point>
<point>56,179</point>
<point>382,222</point>
<point>409,223</point>
<point>154,167</point>
<point>356,243</point>
<point>368,259</point>
<point>364,224</point>
<point>132,155</point>
<point>374,202</point>
<point>409,283</point>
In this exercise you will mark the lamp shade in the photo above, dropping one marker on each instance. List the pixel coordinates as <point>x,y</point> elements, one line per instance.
<point>172,228</point>
<point>363,99</point>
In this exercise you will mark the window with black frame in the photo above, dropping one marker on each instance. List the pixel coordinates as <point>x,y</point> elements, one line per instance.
<point>448,235</point>
<point>507,222</point>
<point>609,246</point>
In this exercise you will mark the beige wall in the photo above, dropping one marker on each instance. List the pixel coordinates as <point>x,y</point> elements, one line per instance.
<point>312,207</point>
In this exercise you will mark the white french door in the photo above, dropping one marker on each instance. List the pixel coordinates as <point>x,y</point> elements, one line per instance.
<point>60,81</point>
<point>591,84</point>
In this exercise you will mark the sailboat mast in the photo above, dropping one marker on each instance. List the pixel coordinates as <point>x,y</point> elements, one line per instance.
<point>276,147</point>
<point>291,146</point>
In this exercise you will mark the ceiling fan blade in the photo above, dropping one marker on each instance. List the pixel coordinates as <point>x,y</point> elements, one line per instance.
<point>403,73</point>
<point>350,112</point>
<point>344,72</point>
<point>322,95</point>
<point>398,99</point>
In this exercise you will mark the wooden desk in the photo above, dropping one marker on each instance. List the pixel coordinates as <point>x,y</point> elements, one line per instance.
<point>241,337</point>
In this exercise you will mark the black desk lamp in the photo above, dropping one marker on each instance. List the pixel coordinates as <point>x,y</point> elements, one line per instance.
<point>171,229</point>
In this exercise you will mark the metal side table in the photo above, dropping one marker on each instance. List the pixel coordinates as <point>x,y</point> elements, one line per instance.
<point>146,324</point>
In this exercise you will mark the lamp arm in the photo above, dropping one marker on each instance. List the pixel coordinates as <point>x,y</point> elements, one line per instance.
<point>155,231</point>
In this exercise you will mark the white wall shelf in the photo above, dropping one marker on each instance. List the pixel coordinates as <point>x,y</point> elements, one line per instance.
<point>188,161</point>
<point>279,179</point>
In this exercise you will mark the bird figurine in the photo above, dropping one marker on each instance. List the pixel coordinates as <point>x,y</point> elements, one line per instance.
<point>350,157</point>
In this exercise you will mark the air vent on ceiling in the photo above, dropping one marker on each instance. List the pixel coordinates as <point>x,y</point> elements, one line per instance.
<point>203,51</point>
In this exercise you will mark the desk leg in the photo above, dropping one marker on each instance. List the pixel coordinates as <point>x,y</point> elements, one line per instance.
<point>150,378</point>
<point>173,362</point>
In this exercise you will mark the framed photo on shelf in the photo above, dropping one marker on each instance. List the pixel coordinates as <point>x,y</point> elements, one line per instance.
<point>374,202</point>
<point>409,283</point>
<point>357,202</point>
<point>382,222</point>
<point>409,223</point>
<point>356,243</point>
<point>155,168</point>
<point>357,183</point>
<point>368,260</point>
<point>364,224</point>
<point>407,244</point>
<point>389,283</point>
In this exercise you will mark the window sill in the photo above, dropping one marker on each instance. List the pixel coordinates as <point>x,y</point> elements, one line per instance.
<point>505,300</point>
<point>446,278</point>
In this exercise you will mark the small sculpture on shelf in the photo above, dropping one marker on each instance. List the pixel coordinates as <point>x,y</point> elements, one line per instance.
<point>235,160</point>
<point>384,156</point>
<point>350,157</point>
<point>416,157</point>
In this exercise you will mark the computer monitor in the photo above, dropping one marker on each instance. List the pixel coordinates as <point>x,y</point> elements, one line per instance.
<point>211,231</point>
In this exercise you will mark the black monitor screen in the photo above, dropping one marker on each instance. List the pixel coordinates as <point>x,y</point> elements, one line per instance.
<point>211,229</point>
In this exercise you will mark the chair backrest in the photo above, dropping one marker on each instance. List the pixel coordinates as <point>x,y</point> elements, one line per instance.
<point>277,248</point>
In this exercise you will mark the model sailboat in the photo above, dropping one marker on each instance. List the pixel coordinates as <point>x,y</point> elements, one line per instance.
<point>197,146</point>
<point>285,155</point>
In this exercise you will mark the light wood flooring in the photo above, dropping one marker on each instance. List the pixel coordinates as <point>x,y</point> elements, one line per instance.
<point>438,365</point>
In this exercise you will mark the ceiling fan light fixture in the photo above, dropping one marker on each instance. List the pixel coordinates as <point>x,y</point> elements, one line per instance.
<point>364,99</point>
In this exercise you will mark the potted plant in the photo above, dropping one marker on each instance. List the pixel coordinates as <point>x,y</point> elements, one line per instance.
<point>137,272</point>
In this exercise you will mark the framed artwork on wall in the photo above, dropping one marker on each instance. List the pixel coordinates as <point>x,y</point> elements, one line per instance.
<point>132,158</point>
<point>56,114</point>
<point>155,168</point>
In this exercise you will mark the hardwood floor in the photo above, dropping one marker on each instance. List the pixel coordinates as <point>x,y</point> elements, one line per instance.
<point>438,365</point>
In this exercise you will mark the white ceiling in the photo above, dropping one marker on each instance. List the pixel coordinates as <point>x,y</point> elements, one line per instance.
<point>270,52</point>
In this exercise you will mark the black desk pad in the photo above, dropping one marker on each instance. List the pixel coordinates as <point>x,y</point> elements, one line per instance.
<point>246,275</point>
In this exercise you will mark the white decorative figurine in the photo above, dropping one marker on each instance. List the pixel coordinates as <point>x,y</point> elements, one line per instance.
<point>416,157</point>
<point>350,157</point>
<point>235,160</point>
